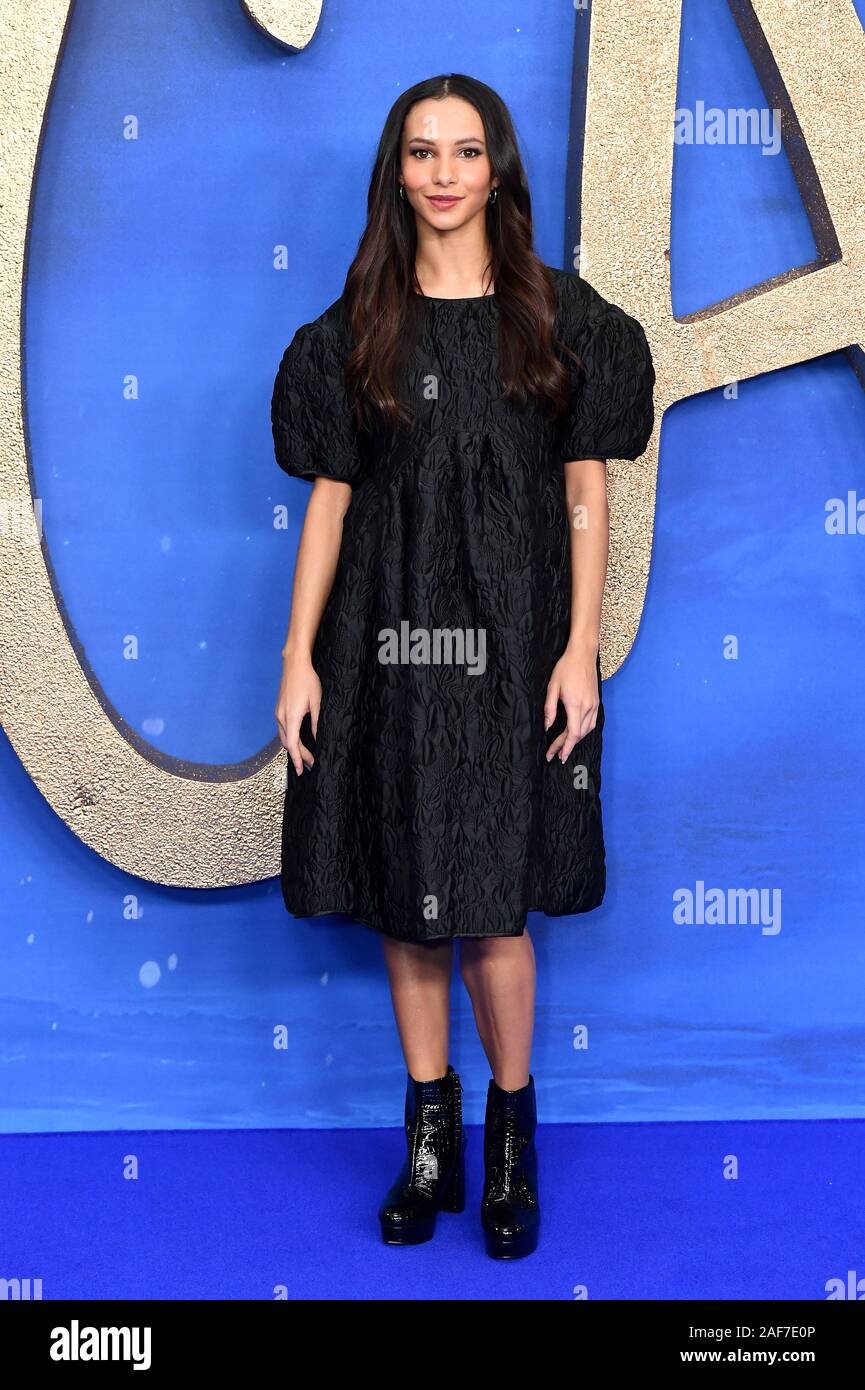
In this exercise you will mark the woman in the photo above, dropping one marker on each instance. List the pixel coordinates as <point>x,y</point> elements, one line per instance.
<point>440,697</point>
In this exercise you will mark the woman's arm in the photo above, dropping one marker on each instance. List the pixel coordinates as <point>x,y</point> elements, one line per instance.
<point>317,554</point>
<point>574,679</point>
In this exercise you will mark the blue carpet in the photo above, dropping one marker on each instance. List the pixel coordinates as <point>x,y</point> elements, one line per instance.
<point>629,1211</point>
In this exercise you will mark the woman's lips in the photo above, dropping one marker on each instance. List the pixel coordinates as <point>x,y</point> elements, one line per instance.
<point>444,202</point>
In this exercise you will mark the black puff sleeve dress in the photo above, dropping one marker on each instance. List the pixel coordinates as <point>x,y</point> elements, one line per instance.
<point>431,811</point>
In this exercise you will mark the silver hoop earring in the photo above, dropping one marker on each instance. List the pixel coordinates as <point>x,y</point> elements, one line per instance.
<point>493,195</point>
<point>402,191</point>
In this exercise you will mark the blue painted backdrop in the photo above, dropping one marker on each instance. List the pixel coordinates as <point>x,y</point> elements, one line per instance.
<point>155,257</point>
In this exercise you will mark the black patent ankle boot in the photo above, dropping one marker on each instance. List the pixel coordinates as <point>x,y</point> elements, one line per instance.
<point>510,1213</point>
<point>432,1178</point>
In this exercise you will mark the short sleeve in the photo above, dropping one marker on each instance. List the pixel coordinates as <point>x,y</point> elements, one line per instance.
<point>313,428</point>
<point>612,413</point>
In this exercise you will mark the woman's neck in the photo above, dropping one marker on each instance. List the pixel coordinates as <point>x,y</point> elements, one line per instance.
<point>447,268</point>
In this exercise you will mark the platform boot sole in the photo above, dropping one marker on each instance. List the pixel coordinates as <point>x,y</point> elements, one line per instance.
<point>423,1227</point>
<point>502,1247</point>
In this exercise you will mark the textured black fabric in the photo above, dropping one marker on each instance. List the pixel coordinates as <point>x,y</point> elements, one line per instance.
<point>431,811</point>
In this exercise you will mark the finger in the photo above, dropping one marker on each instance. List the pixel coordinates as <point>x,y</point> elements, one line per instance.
<point>306,755</point>
<point>293,743</point>
<point>314,707</point>
<point>576,718</point>
<point>551,703</point>
<point>556,743</point>
<point>576,732</point>
<point>293,749</point>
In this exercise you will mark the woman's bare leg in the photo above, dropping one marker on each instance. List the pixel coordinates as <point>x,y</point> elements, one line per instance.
<point>499,974</point>
<point>420,981</point>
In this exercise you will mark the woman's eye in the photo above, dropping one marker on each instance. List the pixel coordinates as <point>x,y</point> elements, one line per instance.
<point>418,153</point>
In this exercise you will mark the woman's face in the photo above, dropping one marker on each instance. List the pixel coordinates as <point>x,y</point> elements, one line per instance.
<point>444,156</point>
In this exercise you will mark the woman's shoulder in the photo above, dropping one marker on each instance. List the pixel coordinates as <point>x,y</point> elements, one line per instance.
<point>319,345</point>
<point>329,329</point>
<point>578,301</point>
<point>571,290</point>
<point>584,312</point>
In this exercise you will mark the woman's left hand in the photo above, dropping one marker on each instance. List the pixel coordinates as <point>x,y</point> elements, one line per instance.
<point>574,681</point>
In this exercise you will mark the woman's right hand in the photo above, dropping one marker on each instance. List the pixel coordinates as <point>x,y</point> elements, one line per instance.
<point>299,694</point>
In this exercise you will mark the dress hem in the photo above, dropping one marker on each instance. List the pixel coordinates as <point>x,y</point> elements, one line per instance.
<point>439,936</point>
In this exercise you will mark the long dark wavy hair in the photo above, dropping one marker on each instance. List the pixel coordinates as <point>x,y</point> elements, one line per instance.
<point>382,294</point>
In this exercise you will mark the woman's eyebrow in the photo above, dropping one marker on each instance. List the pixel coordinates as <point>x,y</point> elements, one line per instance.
<point>464,140</point>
